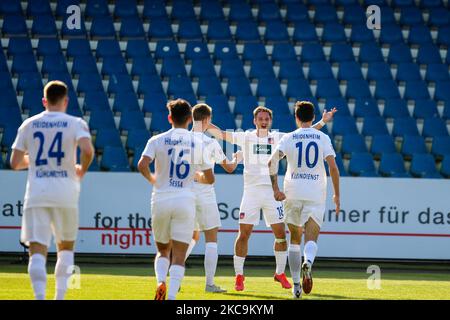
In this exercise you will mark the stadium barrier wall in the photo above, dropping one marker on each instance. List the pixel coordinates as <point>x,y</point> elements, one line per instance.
<point>380,218</point>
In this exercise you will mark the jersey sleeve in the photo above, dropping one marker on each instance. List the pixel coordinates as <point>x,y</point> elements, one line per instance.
<point>328,149</point>
<point>20,141</point>
<point>82,130</point>
<point>281,146</point>
<point>238,138</point>
<point>150,149</point>
<point>218,155</point>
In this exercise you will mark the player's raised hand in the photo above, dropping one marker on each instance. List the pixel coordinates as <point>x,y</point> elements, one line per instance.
<point>238,156</point>
<point>79,171</point>
<point>337,202</point>
<point>327,116</point>
<point>279,196</point>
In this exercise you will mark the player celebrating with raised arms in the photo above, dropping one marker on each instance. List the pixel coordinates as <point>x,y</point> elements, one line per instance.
<point>257,147</point>
<point>178,156</point>
<point>305,186</point>
<point>46,145</point>
<point>207,212</point>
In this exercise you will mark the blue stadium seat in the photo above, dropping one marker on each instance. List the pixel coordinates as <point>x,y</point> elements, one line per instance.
<point>240,11</point>
<point>196,50</point>
<point>437,72</point>
<point>44,26</point>
<point>446,113</point>
<point>225,51</point>
<point>370,52</point>
<point>211,10</point>
<point>10,117</point>
<point>107,47</point>
<point>379,70</point>
<point>245,104</point>
<point>424,166</point>
<point>62,5</point>
<point>425,109</point>
<point>349,70</point>
<point>445,167</point>
<point>137,153</point>
<point>8,137</point>
<point>386,89</point>
<point>226,121</point>
<point>333,32</point>
<point>361,164</point>
<point>387,15</point>
<point>48,46</point>
<point>159,122</point>
<point>182,10</point>
<point>95,8</point>
<point>113,64</point>
<point>428,53</point>
<point>102,27</point>
<point>325,13</point>
<point>357,88</point>
<point>25,62</point>
<point>283,51</point>
<point>14,25</point>
<point>391,34</point>
<point>209,85</point>
<point>405,127</point>
<point>29,80</point>
<point>131,120</point>
<point>9,98</point>
<point>19,46</point>
<point>296,12</point>
<point>374,126</point>
<point>304,31</point>
<point>268,12</point>
<point>247,30</point>
<point>354,15</point>
<point>366,107</point>
<point>54,63</point>
<point>297,88</point>
<point>442,91</point>
<point>290,69</point>
<point>102,120</point>
<point>407,71</point>
<point>439,17</point>
<point>238,86</point>
<point>340,164</point>
<point>11,6</point>
<point>143,65</point>
<point>339,103</point>
<point>120,83</point>
<point>361,34</point>
<point>312,51</point>
<point>131,28</point>
<point>189,30</point>
<point>78,47</point>
<point>341,52</point>
<point>125,101</point>
<point>268,87</point>
<point>395,108</point>
<point>3,64</point>
<point>84,64</point>
<point>410,16</point>
<point>149,83</point>
<point>96,100</point>
<point>219,103</point>
<point>344,125</point>
<point>416,90</point>
<point>173,67</point>
<point>328,88</point>
<point>284,122</point>
<point>413,145</point>
<point>276,31</point>
<point>89,82</point>
<point>167,49</point>
<point>114,159</point>
<point>202,67</point>
<point>137,48</point>
<point>160,28</point>
<point>254,51</point>
<point>434,127</point>
<point>398,53</point>
<point>278,103</point>
<point>155,102</point>
<point>419,35</point>
<point>218,30</point>
<point>353,143</point>
<point>383,143</point>
<point>403,3</point>
<point>154,9</point>
<point>137,138</point>
<point>125,8</point>
<point>320,70</point>
<point>441,146</point>
<point>5,81</point>
<point>392,165</point>
<point>67,33</point>
<point>261,69</point>
<point>443,37</point>
<point>179,85</point>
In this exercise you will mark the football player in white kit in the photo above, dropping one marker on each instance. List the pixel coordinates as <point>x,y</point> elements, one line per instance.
<point>257,147</point>
<point>178,156</point>
<point>46,145</point>
<point>207,212</point>
<point>305,187</point>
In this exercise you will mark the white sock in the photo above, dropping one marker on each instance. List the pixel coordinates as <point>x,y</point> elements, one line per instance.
<point>211,257</point>
<point>161,268</point>
<point>190,248</point>
<point>295,261</point>
<point>238,264</point>
<point>280,259</point>
<point>38,275</point>
<point>176,273</point>
<point>310,251</point>
<point>65,260</point>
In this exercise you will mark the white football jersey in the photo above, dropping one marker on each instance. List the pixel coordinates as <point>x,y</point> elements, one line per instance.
<point>51,139</point>
<point>256,153</point>
<point>306,150</point>
<point>213,154</point>
<point>178,154</point>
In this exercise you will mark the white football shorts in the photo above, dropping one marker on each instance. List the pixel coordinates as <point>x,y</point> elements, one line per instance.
<point>298,212</point>
<point>207,214</point>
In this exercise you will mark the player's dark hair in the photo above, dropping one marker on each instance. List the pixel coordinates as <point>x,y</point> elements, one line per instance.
<point>262,109</point>
<point>304,111</point>
<point>201,111</point>
<point>55,91</point>
<point>180,111</point>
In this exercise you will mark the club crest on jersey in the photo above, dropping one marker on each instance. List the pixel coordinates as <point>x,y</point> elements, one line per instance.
<point>270,140</point>
<point>242,215</point>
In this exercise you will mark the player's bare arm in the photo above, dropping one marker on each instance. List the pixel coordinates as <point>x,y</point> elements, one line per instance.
<point>19,160</point>
<point>86,156</point>
<point>144,169</point>
<point>334,173</point>
<point>327,116</point>
<point>205,176</point>
<point>273,172</point>
<point>218,133</point>
<point>230,166</point>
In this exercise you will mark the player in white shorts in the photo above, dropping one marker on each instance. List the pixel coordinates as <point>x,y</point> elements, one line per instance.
<point>305,187</point>
<point>178,156</point>
<point>207,212</point>
<point>257,147</point>
<point>46,145</point>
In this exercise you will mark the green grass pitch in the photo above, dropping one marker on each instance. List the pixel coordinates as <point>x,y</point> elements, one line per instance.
<point>138,282</point>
